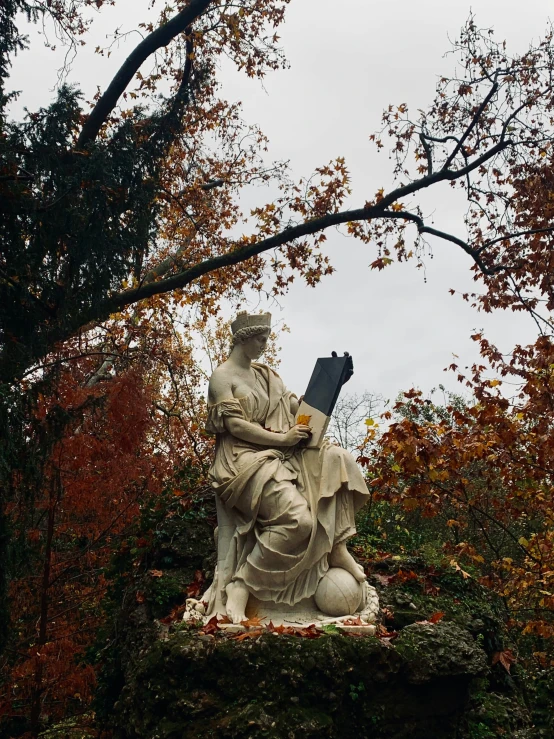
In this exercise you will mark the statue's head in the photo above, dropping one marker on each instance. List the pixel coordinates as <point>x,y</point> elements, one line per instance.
<point>252,331</point>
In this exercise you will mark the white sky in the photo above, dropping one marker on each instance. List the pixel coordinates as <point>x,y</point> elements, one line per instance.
<point>349,60</point>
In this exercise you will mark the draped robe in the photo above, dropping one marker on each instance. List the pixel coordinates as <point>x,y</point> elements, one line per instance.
<point>287,506</point>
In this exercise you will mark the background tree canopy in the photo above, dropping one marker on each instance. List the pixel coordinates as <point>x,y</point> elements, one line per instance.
<point>115,218</point>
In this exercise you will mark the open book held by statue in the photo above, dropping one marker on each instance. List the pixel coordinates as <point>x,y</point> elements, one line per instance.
<point>286,496</point>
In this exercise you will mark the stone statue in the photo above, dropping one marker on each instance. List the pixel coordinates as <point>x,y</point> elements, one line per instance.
<point>285,511</point>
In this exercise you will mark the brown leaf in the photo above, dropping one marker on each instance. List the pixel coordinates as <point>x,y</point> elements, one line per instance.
<point>309,632</point>
<point>155,573</point>
<point>430,589</point>
<point>383,633</point>
<point>211,627</point>
<point>506,659</point>
<point>353,622</point>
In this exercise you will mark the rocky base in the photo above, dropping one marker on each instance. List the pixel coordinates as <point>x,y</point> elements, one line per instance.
<point>161,678</point>
<point>200,685</point>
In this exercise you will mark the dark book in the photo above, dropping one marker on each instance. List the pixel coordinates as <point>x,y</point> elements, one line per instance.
<point>328,377</point>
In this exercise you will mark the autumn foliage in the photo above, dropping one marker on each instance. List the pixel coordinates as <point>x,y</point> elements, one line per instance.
<point>485,468</point>
<point>116,440</point>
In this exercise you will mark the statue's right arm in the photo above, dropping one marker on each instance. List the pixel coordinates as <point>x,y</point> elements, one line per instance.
<point>220,389</point>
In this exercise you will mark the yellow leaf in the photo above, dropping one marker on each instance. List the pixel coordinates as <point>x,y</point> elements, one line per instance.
<point>523,541</point>
<point>369,422</point>
<point>457,567</point>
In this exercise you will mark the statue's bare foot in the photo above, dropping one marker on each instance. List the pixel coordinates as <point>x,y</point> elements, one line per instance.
<point>341,557</point>
<point>237,598</point>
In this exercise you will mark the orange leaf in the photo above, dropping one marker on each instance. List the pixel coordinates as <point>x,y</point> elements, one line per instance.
<point>254,622</point>
<point>436,617</point>
<point>248,635</point>
<point>304,420</point>
<point>353,622</point>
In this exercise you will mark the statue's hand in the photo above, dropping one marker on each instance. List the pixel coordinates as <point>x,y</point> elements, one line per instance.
<point>297,433</point>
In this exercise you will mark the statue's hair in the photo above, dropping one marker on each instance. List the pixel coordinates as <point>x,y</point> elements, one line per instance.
<point>243,334</point>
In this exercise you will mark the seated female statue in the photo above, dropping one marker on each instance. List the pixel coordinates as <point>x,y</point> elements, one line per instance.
<point>292,508</point>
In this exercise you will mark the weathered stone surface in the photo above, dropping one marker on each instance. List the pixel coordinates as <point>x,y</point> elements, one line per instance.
<point>285,686</point>
<point>439,650</point>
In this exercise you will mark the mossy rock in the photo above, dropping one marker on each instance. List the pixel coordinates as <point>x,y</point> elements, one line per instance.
<point>495,714</point>
<point>286,686</point>
<point>542,699</point>
<point>434,681</point>
<point>182,544</point>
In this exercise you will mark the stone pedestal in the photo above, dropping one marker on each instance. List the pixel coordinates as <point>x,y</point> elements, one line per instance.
<point>288,687</point>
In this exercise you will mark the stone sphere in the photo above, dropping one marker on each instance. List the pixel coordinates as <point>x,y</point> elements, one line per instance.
<point>338,593</point>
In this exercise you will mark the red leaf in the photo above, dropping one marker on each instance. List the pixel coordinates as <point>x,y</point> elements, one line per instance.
<point>211,627</point>
<point>195,587</point>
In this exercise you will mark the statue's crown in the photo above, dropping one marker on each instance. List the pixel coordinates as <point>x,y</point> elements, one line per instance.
<point>244,320</point>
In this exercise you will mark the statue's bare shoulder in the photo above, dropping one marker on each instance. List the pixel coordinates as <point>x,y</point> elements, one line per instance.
<point>221,384</point>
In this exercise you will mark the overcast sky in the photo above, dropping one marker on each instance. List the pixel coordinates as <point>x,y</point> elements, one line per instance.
<point>349,60</point>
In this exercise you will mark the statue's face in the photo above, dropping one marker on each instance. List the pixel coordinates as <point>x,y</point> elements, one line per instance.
<point>255,346</point>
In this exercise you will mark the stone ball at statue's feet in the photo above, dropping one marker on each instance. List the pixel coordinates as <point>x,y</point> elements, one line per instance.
<point>338,593</point>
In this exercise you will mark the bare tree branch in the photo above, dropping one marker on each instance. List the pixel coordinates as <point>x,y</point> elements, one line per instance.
<point>120,300</point>
<point>476,117</point>
<point>428,152</point>
<point>422,228</point>
<point>154,41</point>
<point>529,232</point>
